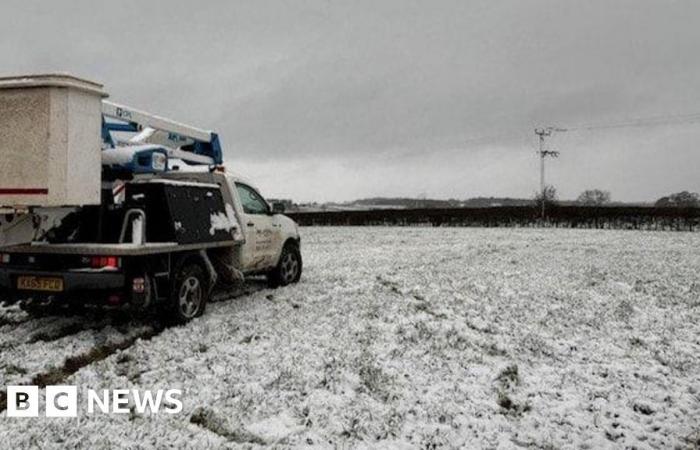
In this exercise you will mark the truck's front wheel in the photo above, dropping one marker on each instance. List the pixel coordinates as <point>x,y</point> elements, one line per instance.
<point>288,269</point>
<point>189,294</point>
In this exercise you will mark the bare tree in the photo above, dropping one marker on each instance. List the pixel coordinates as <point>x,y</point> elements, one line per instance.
<point>594,197</point>
<point>550,196</point>
<point>683,199</point>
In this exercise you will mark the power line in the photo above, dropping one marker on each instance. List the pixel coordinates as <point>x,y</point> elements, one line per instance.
<point>667,119</point>
<point>543,133</point>
<point>650,121</point>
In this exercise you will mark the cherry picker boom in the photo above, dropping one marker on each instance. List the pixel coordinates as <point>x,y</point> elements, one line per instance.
<point>157,141</point>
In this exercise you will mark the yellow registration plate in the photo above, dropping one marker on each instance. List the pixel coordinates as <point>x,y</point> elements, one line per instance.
<point>40,283</point>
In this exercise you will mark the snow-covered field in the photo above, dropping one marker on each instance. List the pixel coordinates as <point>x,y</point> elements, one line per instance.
<point>406,337</point>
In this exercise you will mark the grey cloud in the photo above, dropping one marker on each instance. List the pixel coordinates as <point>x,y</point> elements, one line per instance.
<point>446,91</point>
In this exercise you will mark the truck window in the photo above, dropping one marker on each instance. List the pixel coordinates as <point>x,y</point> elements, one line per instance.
<point>251,201</point>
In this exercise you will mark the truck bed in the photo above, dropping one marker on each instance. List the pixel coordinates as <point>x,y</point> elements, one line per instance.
<point>125,249</point>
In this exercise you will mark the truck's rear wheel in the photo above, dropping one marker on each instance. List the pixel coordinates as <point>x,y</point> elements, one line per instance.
<point>189,294</point>
<point>288,268</point>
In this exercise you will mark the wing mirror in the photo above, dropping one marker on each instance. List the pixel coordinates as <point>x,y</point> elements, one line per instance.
<point>278,208</point>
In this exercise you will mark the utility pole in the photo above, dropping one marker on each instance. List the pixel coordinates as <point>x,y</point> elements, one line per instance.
<point>542,133</point>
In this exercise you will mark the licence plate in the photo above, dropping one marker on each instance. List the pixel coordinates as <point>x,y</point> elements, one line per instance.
<point>40,283</point>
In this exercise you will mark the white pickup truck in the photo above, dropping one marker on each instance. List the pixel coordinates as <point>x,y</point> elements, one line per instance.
<point>169,242</point>
<point>158,236</point>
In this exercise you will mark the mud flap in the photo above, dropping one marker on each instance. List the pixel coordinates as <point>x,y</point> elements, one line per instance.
<point>224,262</point>
<point>210,269</point>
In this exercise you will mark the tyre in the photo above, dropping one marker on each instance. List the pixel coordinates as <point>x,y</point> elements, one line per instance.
<point>189,294</point>
<point>288,269</point>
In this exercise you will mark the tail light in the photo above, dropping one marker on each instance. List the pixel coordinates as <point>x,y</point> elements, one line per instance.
<point>101,262</point>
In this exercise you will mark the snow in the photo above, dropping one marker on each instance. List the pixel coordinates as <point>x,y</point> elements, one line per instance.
<point>410,337</point>
<point>274,429</point>
<point>225,221</point>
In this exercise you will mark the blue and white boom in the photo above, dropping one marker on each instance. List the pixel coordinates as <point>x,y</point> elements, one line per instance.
<point>157,140</point>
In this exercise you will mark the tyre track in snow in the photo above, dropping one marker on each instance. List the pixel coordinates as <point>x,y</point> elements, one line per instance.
<point>12,315</point>
<point>60,331</point>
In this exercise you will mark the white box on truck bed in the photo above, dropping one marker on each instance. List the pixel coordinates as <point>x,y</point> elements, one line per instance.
<point>50,141</point>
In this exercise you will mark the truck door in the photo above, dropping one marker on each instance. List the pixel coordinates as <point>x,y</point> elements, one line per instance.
<point>258,251</point>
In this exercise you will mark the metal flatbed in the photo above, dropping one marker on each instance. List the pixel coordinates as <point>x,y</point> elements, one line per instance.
<point>125,249</point>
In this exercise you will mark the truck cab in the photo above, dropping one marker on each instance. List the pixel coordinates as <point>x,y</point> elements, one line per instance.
<point>265,228</point>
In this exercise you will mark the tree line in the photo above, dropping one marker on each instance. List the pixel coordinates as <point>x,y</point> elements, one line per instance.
<point>593,209</point>
<point>599,197</point>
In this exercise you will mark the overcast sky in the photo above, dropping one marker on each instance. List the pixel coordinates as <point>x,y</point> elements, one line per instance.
<point>335,100</point>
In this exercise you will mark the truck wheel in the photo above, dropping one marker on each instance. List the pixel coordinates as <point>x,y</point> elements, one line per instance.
<point>288,268</point>
<point>189,294</point>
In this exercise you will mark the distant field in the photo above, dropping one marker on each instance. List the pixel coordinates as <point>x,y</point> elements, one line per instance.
<point>408,337</point>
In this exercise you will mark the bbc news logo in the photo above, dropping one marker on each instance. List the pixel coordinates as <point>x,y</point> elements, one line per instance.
<point>63,401</point>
